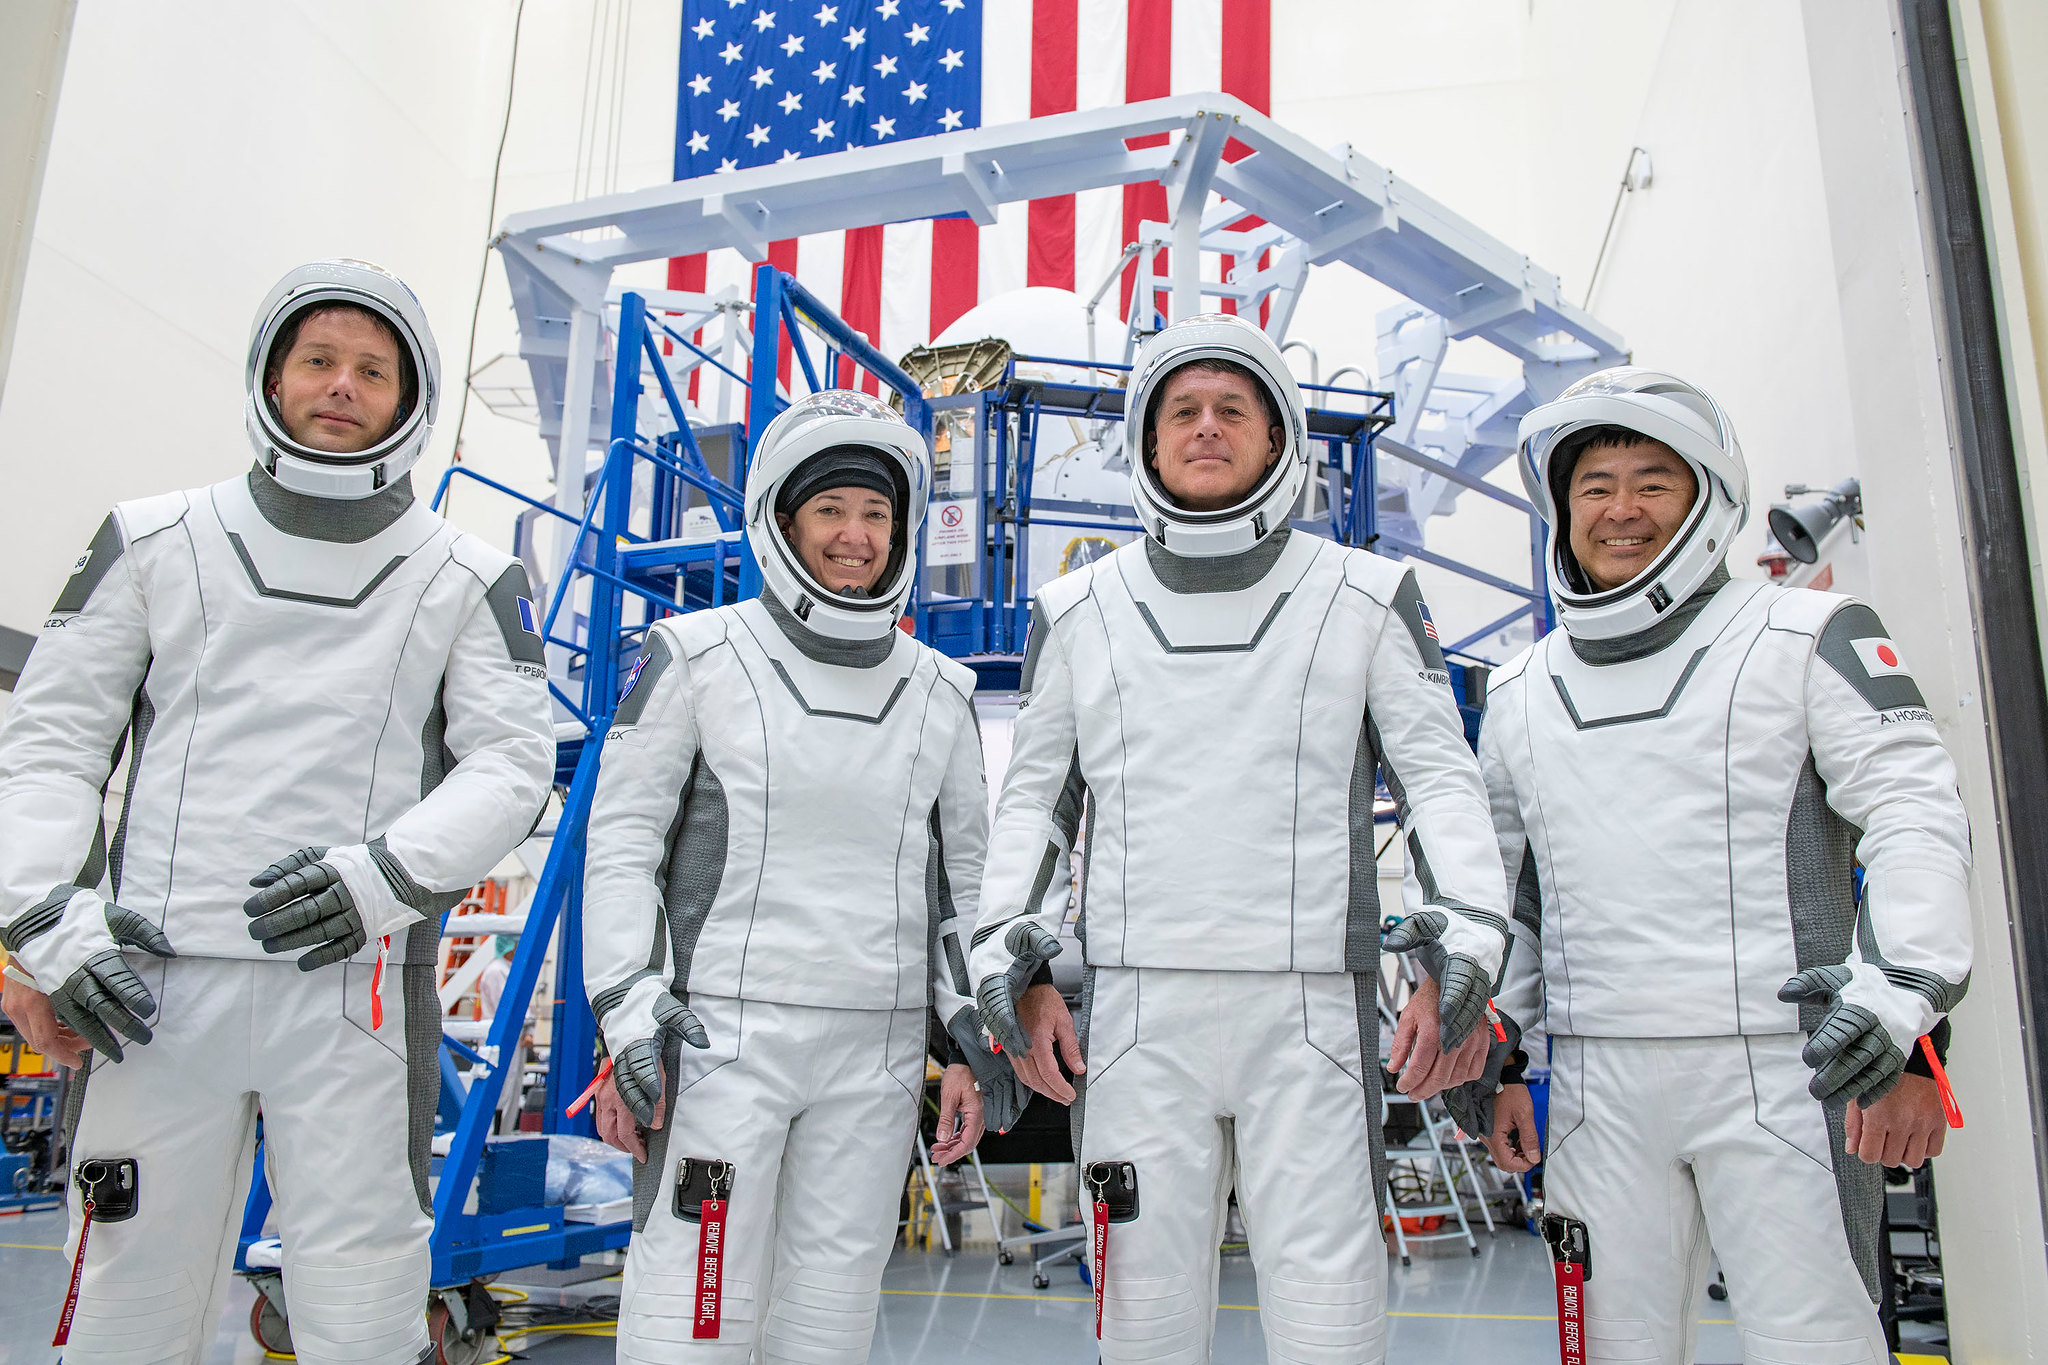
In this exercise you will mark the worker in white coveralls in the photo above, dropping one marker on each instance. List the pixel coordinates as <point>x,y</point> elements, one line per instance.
<point>1219,696</point>
<point>1683,780</point>
<point>325,693</point>
<point>785,848</point>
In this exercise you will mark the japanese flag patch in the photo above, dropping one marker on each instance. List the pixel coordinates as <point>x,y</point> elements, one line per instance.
<point>1880,657</point>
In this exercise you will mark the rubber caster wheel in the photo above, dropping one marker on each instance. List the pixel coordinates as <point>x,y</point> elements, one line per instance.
<point>1405,1261</point>
<point>1038,1281</point>
<point>1718,1292</point>
<point>267,1324</point>
<point>1004,1258</point>
<point>457,1348</point>
<point>1475,1251</point>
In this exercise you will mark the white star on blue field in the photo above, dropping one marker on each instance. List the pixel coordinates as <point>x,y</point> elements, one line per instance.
<point>771,82</point>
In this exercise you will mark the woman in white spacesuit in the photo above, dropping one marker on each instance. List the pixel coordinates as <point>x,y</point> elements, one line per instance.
<point>1728,1020</point>
<point>303,658</point>
<point>1219,698</point>
<point>785,842</point>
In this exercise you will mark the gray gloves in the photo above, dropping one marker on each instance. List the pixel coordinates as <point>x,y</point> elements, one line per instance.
<point>1030,947</point>
<point>636,1017</point>
<point>1465,982</point>
<point>333,901</point>
<point>74,940</point>
<point>1003,1096</point>
<point>1471,1104</point>
<point>1856,1051</point>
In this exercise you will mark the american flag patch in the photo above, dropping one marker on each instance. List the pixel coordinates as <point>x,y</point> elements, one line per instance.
<point>1428,626</point>
<point>527,622</point>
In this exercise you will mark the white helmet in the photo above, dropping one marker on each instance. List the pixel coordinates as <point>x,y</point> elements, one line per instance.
<point>812,425</point>
<point>360,473</point>
<point>1215,336</point>
<point>1665,409</point>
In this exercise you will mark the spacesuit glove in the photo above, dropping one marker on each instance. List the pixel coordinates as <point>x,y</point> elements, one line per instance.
<point>1003,1096</point>
<point>1471,1104</point>
<point>636,1033</point>
<point>1463,957</point>
<point>1860,1047</point>
<point>1030,947</point>
<point>76,942</point>
<point>333,901</point>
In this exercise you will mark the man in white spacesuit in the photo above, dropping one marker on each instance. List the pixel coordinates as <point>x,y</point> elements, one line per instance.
<point>1218,697</point>
<point>1683,779</point>
<point>785,842</point>
<point>303,658</point>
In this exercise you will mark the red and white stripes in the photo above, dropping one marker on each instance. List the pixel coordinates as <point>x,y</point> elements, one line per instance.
<point>902,284</point>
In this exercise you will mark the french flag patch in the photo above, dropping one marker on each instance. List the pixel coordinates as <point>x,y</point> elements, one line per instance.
<point>1879,657</point>
<point>527,620</point>
<point>1428,625</point>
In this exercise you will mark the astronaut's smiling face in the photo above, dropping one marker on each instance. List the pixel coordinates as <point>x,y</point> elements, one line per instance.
<point>1213,437</point>
<point>1627,502</point>
<point>842,537</point>
<point>339,386</point>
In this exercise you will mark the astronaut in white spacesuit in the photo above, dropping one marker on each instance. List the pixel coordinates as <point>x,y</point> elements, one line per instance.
<point>1683,779</point>
<point>1219,697</point>
<point>785,846</point>
<point>303,658</point>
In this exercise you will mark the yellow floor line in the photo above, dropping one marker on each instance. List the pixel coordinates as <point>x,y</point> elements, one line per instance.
<point>1253,1308</point>
<point>37,1246</point>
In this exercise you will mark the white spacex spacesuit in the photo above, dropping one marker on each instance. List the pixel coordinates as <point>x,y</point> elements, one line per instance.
<point>1682,780</point>
<point>790,814</point>
<point>304,656</point>
<point>1222,694</point>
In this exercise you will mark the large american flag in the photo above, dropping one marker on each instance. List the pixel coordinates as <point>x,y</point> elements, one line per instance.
<point>780,81</point>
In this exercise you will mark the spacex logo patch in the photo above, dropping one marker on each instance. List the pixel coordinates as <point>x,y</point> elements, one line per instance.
<point>1879,657</point>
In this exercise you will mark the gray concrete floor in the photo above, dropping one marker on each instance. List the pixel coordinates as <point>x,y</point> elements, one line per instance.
<point>1496,1307</point>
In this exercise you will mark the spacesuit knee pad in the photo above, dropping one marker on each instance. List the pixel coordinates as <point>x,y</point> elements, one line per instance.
<point>1153,1321</point>
<point>1311,1322</point>
<point>370,1311</point>
<point>158,1318</point>
<point>1766,1348</point>
<point>821,1317</point>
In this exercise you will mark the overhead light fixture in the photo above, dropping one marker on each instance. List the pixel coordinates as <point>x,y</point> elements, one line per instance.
<point>1800,528</point>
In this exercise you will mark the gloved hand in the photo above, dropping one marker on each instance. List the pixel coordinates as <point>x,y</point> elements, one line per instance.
<point>1471,1104</point>
<point>1455,951</point>
<point>636,1033</point>
<point>76,943</point>
<point>333,901</point>
<point>1030,947</point>
<point>1003,1096</point>
<point>1861,1045</point>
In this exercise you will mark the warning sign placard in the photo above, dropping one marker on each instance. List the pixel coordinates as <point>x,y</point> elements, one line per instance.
<point>951,532</point>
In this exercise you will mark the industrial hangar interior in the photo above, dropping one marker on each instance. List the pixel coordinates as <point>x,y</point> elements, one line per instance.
<point>1044,680</point>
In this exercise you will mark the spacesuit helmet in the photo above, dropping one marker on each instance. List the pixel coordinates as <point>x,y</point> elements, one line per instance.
<point>352,474</point>
<point>1224,337</point>
<point>820,424</point>
<point>1663,408</point>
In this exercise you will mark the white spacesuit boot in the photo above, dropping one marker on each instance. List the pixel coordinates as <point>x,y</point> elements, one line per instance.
<point>1219,697</point>
<point>786,838</point>
<point>1713,989</point>
<point>330,696</point>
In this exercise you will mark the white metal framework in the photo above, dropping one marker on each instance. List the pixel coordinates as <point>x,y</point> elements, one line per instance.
<point>1319,207</point>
